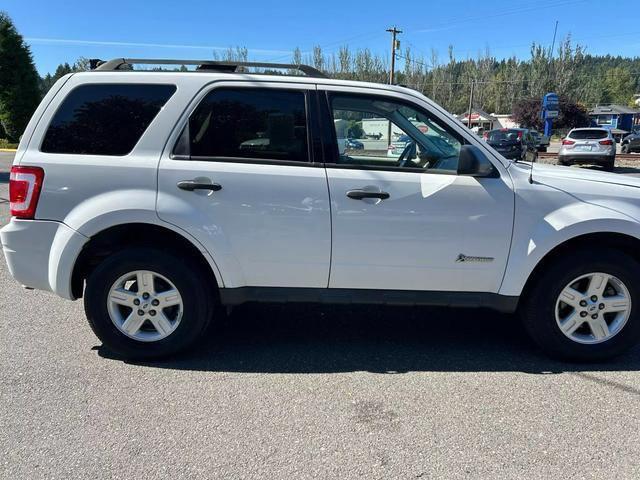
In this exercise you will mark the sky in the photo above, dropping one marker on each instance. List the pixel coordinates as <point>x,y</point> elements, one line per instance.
<point>59,32</point>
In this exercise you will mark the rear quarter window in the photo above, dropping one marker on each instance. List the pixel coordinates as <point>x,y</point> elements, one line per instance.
<point>104,119</point>
<point>588,134</point>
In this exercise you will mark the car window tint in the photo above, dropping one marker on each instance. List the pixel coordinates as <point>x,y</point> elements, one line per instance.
<point>250,123</point>
<point>417,141</point>
<point>588,134</point>
<point>104,119</point>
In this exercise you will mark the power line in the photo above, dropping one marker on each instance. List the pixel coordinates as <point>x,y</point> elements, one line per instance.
<point>537,6</point>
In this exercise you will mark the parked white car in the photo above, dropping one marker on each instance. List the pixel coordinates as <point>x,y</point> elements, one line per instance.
<point>588,145</point>
<point>147,194</point>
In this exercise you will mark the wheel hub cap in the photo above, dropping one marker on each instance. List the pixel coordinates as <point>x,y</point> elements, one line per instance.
<point>145,305</point>
<point>593,308</point>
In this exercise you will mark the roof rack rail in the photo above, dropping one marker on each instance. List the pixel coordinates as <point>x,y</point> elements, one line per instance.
<point>202,65</point>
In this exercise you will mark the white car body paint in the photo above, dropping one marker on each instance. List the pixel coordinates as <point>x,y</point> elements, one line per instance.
<point>293,226</point>
<point>561,204</point>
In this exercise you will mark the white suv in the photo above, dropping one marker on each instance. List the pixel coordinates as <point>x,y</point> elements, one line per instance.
<point>588,145</point>
<point>159,196</point>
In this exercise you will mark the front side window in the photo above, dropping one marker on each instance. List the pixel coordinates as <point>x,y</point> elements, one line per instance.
<point>104,119</point>
<point>379,132</point>
<point>252,123</point>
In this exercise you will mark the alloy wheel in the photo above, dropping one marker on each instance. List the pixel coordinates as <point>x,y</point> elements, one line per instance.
<point>593,308</point>
<point>145,305</point>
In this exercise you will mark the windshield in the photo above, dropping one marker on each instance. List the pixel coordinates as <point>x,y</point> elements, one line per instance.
<point>504,136</point>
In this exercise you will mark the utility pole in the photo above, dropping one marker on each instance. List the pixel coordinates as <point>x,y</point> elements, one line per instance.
<point>394,45</point>
<point>473,83</point>
<point>553,44</point>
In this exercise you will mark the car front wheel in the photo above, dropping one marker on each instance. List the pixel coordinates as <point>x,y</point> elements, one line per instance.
<point>145,303</point>
<point>586,307</point>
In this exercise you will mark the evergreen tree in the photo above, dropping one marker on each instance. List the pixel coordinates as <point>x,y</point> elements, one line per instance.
<point>19,80</point>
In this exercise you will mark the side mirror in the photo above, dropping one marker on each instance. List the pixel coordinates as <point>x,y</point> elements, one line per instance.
<point>472,162</point>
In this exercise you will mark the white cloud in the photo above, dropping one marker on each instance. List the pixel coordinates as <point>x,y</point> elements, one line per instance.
<point>75,42</point>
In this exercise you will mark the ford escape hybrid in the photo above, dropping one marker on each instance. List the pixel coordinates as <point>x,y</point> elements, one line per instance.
<point>158,196</point>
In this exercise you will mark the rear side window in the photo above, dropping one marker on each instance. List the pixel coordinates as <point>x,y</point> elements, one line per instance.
<point>588,134</point>
<point>250,123</point>
<point>104,119</point>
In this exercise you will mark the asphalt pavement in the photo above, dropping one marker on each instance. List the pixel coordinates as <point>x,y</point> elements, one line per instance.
<point>307,391</point>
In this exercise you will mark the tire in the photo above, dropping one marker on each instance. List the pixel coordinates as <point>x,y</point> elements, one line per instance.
<point>609,166</point>
<point>190,317</point>
<point>625,149</point>
<point>538,310</point>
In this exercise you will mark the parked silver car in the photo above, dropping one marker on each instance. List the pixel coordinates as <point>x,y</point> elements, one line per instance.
<point>588,145</point>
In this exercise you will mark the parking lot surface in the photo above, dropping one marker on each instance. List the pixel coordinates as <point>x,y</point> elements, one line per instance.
<point>307,392</point>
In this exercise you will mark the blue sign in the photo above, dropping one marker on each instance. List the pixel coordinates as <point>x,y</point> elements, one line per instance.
<point>550,110</point>
<point>550,102</point>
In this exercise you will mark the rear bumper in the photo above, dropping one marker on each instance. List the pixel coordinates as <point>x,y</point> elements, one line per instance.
<point>41,254</point>
<point>585,158</point>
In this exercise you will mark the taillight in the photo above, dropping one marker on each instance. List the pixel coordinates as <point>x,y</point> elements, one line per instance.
<point>24,190</point>
<point>608,141</point>
<point>568,142</point>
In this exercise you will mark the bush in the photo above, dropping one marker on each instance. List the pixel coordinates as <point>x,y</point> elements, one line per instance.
<point>4,143</point>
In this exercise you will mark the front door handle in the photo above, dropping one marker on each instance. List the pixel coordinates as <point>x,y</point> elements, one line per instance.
<point>360,194</point>
<point>191,185</point>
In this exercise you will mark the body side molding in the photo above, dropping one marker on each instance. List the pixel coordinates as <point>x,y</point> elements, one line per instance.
<point>494,301</point>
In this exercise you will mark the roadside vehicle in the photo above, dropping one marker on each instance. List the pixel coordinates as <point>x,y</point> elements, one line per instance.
<point>396,147</point>
<point>149,195</point>
<point>541,141</point>
<point>594,146</point>
<point>513,143</point>
<point>631,143</point>
<point>353,144</point>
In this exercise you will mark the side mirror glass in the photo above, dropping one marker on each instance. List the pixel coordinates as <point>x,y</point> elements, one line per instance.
<point>472,162</point>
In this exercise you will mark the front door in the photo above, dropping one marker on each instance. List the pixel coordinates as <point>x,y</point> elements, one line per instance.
<point>240,178</point>
<point>402,218</point>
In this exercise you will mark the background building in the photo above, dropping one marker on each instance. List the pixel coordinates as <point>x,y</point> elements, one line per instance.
<point>617,118</point>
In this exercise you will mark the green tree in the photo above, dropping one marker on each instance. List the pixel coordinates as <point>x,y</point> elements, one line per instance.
<point>618,86</point>
<point>19,80</point>
<point>46,82</point>
<point>572,115</point>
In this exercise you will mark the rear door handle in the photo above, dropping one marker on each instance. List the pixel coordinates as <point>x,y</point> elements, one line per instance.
<point>191,185</point>
<point>360,194</point>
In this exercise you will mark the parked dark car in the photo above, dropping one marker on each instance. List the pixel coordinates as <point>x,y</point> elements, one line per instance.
<point>631,143</point>
<point>353,144</point>
<point>513,143</point>
<point>541,141</point>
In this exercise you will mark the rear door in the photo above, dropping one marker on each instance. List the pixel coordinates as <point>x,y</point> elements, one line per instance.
<point>238,174</point>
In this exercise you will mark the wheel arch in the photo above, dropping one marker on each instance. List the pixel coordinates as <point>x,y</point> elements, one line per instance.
<point>620,241</point>
<point>139,234</point>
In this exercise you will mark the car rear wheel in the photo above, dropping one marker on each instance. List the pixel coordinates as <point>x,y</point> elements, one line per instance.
<point>586,307</point>
<point>624,149</point>
<point>609,166</point>
<point>144,303</point>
